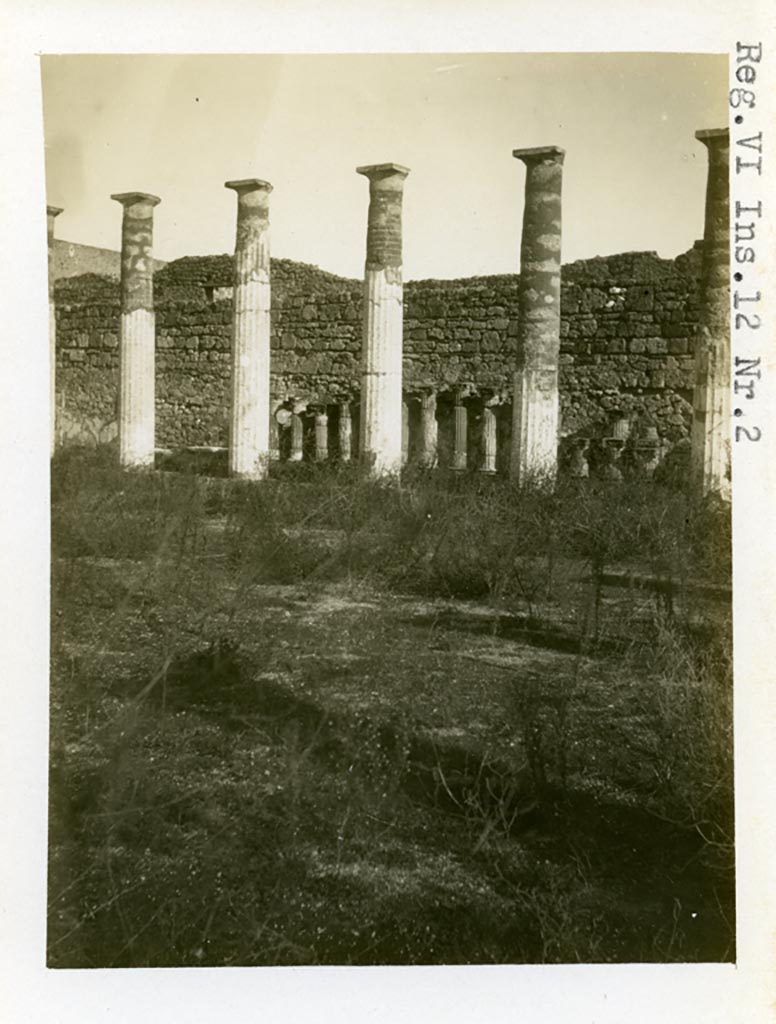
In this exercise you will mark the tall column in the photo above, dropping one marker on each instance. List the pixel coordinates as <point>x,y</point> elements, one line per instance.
<point>345,432</point>
<point>461,433</point>
<point>52,212</point>
<point>321,436</point>
<point>535,410</point>
<point>429,430</point>
<point>381,352</point>
<point>711,397</point>
<point>137,330</point>
<point>489,439</point>
<point>249,422</point>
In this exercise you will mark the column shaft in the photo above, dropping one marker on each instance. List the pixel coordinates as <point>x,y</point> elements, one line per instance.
<point>137,331</point>
<point>321,437</point>
<point>429,430</point>
<point>297,438</point>
<point>380,433</point>
<point>489,440</point>
<point>461,428</point>
<point>249,422</point>
<point>534,450</point>
<point>711,397</point>
<point>345,432</point>
<point>405,433</point>
<point>273,431</point>
<point>52,212</point>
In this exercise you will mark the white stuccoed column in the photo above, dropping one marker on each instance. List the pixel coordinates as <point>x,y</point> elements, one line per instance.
<point>137,331</point>
<point>249,442</point>
<point>535,414</point>
<point>381,353</point>
<point>711,396</point>
<point>52,212</point>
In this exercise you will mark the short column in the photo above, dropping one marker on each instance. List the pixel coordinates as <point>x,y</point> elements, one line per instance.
<point>381,352</point>
<point>249,422</point>
<point>461,433</point>
<point>429,430</point>
<point>297,438</point>
<point>274,432</point>
<point>489,439</point>
<point>345,432</point>
<point>534,451</point>
<point>321,436</point>
<point>52,212</point>
<point>405,433</point>
<point>711,396</point>
<point>137,331</point>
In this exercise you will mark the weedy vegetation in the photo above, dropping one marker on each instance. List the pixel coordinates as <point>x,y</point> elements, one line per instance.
<point>323,720</point>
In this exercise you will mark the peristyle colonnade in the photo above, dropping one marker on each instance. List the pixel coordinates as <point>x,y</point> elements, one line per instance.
<point>460,427</point>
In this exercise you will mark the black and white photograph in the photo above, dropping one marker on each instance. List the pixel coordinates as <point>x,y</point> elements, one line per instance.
<point>391,574</point>
<point>395,445</point>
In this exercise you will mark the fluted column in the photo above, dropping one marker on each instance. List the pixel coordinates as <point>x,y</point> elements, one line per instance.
<point>711,396</point>
<point>52,212</point>
<point>429,430</point>
<point>321,436</point>
<point>535,410</point>
<point>489,439</point>
<point>249,422</point>
<point>381,352</point>
<point>137,330</point>
<point>461,433</point>
<point>345,432</point>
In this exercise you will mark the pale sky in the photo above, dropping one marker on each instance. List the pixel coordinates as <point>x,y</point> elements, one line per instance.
<point>180,126</point>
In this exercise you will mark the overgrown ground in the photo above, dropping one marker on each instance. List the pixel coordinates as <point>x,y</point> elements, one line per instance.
<point>323,721</point>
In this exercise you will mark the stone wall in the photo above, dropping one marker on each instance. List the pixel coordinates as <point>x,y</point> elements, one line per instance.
<point>627,332</point>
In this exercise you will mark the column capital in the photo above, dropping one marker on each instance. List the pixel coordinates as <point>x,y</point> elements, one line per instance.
<point>245,185</point>
<point>54,211</point>
<point>537,154</point>
<point>130,198</point>
<point>711,136</point>
<point>390,174</point>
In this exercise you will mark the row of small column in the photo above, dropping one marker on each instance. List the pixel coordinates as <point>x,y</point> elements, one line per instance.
<point>418,443</point>
<point>535,434</point>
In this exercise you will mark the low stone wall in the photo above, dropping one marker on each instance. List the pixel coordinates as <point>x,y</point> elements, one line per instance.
<point>627,330</point>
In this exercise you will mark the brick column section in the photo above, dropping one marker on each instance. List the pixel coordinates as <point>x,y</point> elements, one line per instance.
<point>461,427</point>
<point>429,429</point>
<point>249,423</point>
<point>489,439</point>
<point>137,331</point>
<point>345,432</point>
<point>381,352</point>
<point>535,405</point>
<point>711,396</point>
<point>52,212</point>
